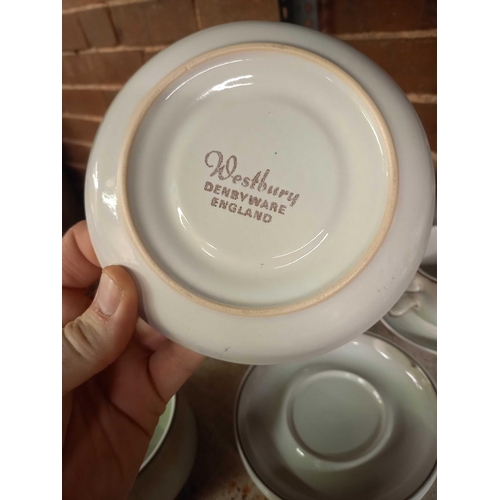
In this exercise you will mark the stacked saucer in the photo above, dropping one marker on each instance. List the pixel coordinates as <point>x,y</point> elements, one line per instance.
<point>414,317</point>
<point>357,423</point>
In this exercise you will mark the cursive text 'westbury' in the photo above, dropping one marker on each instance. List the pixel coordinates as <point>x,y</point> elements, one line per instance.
<point>227,172</point>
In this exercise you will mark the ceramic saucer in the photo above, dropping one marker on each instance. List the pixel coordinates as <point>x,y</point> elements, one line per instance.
<point>414,329</point>
<point>160,432</point>
<point>261,182</point>
<point>414,316</point>
<point>356,423</point>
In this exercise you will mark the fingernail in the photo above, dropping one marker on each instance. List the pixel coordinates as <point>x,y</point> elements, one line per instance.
<point>108,295</point>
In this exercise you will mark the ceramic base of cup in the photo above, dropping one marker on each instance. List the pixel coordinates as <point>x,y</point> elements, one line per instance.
<point>265,338</point>
<point>336,416</point>
<point>237,180</point>
<point>313,429</point>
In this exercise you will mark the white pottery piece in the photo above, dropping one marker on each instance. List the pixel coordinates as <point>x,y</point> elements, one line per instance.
<point>166,473</point>
<point>357,423</point>
<point>262,182</point>
<point>414,316</point>
<point>160,432</point>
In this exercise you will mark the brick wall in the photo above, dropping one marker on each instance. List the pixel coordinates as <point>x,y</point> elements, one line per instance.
<point>106,41</point>
<point>400,36</point>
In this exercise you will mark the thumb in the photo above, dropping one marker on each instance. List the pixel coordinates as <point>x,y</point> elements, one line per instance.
<point>94,340</point>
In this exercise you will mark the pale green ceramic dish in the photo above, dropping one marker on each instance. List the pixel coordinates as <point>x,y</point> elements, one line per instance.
<point>160,432</point>
<point>358,423</point>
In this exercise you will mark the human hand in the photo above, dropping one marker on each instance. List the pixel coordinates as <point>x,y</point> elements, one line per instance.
<point>118,374</point>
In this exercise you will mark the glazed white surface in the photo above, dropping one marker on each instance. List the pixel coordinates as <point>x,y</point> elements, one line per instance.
<point>160,432</point>
<point>414,316</point>
<point>274,339</point>
<point>165,475</point>
<point>371,414</point>
<point>251,115</point>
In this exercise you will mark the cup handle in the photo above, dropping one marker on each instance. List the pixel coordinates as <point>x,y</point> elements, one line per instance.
<point>416,285</point>
<point>409,300</point>
<point>403,305</point>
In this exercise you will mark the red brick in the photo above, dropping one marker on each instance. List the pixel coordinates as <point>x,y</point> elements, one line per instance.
<point>75,69</point>
<point>428,116</point>
<point>75,153</point>
<point>72,34</point>
<point>115,67</point>
<point>154,23</point>
<point>70,4</point>
<point>101,67</point>
<point>130,24</point>
<point>357,16</point>
<point>214,12</point>
<point>170,20</point>
<point>410,62</point>
<point>97,26</point>
<point>87,102</point>
<point>82,130</point>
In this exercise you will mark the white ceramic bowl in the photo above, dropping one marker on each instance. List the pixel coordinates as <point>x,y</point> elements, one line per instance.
<point>166,473</point>
<point>160,432</point>
<point>356,423</point>
<point>262,182</point>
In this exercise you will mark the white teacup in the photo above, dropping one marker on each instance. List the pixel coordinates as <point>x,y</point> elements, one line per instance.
<point>421,297</point>
<point>414,316</point>
<point>252,223</point>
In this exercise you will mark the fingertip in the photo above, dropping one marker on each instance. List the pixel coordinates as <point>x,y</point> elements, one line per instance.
<point>122,278</point>
<point>99,336</point>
